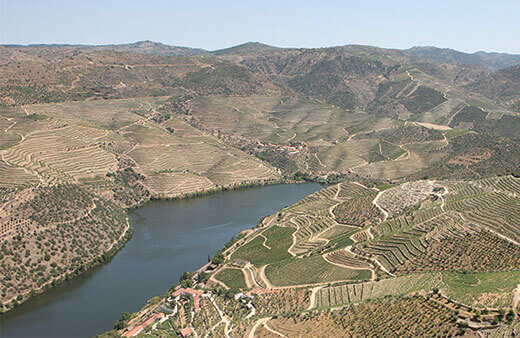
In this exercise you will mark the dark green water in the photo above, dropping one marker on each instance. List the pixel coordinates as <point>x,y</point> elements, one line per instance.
<point>170,237</point>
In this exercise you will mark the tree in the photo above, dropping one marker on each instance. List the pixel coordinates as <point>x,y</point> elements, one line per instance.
<point>203,277</point>
<point>122,322</point>
<point>218,258</point>
<point>185,276</point>
<point>186,283</point>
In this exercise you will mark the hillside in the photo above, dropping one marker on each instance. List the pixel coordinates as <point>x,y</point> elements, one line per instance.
<point>72,76</point>
<point>502,85</point>
<point>338,78</point>
<point>348,76</point>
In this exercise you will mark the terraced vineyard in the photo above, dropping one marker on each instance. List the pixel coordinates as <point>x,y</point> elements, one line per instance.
<point>234,278</point>
<point>347,259</point>
<point>316,214</point>
<point>13,176</point>
<point>472,289</point>
<point>68,146</point>
<point>371,146</point>
<point>412,255</point>
<point>417,316</point>
<point>352,293</point>
<point>396,248</point>
<point>358,211</point>
<point>270,246</point>
<point>410,240</point>
<point>305,230</point>
<point>481,251</point>
<point>286,300</point>
<point>313,270</point>
<point>447,226</point>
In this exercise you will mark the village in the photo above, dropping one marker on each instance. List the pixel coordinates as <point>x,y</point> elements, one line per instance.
<point>181,306</point>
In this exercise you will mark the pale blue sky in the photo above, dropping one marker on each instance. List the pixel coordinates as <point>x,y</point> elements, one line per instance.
<point>464,25</point>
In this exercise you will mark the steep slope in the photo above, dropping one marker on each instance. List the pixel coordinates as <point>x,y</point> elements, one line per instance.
<point>63,75</point>
<point>503,85</point>
<point>336,77</point>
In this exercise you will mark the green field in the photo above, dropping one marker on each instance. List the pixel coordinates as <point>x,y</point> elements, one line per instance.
<point>298,271</point>
<point>234,278</point>
<point>340,242</point>
<point>492,289</point>
<point>455,132</point>
<point>278,240</point>
<point>385,186</point>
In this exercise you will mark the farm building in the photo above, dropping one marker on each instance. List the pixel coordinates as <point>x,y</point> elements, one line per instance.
<point>134,331</point>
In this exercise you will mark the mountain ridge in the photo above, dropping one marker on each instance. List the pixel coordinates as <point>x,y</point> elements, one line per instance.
<point>490,61</point>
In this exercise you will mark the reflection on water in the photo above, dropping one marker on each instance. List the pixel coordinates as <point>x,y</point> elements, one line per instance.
<point>170,237</point>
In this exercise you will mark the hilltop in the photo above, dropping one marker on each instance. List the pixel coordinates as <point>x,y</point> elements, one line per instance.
<point>247,48</point>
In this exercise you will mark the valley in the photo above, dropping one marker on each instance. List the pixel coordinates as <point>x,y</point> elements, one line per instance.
<point>419,156</point>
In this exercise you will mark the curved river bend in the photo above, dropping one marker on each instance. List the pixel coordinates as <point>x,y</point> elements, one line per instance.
<point>170,237</point>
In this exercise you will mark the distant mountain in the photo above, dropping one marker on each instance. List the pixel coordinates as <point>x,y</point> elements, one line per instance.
<point>352,76</point>
<point>247,48</point>
<point>341,78</point>
<point>488,61</point>
<point>142,47</point>
<point>153,48</point>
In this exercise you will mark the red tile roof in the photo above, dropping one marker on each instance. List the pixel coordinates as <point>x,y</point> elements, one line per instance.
<point>133,331</point>
<point>138,328</point>
<point>153,318</point>
<point>186,331</point>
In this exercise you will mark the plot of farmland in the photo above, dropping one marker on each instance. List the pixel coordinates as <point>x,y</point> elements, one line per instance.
<point>107,114</point>
<point>63,153</point>
<point>417,316</point>
<point>277,241</point>
<point>310,270</point>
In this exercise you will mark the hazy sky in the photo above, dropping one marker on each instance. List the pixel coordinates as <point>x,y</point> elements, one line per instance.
<point>464,25</point>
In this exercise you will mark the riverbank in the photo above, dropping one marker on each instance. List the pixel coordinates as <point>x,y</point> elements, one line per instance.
<point>18,299</point>
<point>216,190</point>
<point>117,245</point>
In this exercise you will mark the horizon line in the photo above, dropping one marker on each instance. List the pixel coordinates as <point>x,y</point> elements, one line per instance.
<point>69,44</point>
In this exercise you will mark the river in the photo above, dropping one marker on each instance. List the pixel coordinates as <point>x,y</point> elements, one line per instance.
<point>170,237</point>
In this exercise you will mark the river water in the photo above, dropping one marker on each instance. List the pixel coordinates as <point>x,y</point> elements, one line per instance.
<point>170,237</point>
